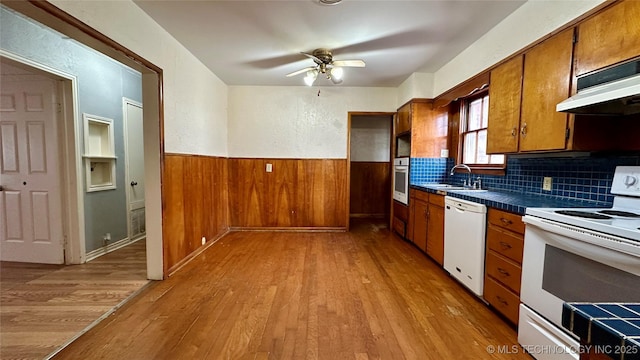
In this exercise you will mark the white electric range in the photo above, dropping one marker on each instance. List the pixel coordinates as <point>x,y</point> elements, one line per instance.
<point>622,219</point>
<point>578,255</point>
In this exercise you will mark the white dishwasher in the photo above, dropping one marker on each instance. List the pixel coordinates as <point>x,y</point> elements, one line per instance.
<point>464,239</point>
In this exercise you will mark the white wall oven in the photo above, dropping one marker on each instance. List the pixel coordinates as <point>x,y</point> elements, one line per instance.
<point>401,180</point>
<point>578,255</point>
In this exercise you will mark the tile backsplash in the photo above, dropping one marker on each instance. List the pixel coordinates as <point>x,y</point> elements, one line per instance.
<point>585,177</point>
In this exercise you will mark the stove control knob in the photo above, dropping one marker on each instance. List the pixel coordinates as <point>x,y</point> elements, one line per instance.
<point>630,180</point>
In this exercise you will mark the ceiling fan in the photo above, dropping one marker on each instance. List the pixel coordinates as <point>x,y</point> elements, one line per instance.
<point>325,64</point>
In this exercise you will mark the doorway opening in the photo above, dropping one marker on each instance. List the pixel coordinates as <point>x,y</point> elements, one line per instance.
<point>369,162</point>
<point>51,17</point>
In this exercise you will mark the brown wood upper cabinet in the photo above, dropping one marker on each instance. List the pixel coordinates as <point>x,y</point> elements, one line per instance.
<point>609,37</point>
<point>429,130</point>
<point>505,93</point>
<point>523,95</point>
<point>403,119</point>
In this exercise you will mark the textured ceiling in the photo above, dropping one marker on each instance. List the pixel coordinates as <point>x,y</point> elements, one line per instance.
<point>259,42</point>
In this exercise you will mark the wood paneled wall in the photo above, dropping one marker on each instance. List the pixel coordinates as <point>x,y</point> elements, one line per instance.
<point>370,188</point>
<point>195,204</point>
<point>299,193</point>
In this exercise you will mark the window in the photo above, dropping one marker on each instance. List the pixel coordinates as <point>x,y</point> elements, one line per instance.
<point>475,114</point>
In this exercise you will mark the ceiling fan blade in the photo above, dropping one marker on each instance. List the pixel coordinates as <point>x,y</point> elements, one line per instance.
<point>301,71</point>
<point>349,63</point>
<point>312,57</point>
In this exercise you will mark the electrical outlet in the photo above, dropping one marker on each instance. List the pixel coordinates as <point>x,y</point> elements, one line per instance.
<point>204,240</point>
<point>106,238</point>
<point>547,183</point>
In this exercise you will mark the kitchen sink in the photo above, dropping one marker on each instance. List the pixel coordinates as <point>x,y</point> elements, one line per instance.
<point>454,187</point>
<point>446,186</point>
<point>461,189</point>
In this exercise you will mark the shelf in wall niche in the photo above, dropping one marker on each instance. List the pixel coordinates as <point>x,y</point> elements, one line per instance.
<point>100,159</point>
<point>100,174</point>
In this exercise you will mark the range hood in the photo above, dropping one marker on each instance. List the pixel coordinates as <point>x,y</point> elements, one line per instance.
<point>613,91</point>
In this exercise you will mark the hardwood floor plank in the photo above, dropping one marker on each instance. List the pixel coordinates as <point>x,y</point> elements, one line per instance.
<point>44,306</point>
<point>365,294</point>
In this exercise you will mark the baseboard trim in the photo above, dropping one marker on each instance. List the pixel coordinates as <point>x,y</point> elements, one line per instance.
<point>94,254</point>
<point>292,229</point>
<point>172,270</point>
<point>369,216</point>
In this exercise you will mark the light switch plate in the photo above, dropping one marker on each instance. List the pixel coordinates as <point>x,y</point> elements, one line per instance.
<point>269,168</point>
<point>547,183</point>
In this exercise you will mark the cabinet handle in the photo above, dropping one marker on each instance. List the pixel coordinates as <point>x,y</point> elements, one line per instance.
<point>426,214</point>
<point>505,246</point>
<point>514,131</point>
<point>523,131</point>
<point>502,301</point>
<point>506,221</point>
<point>503,272</point>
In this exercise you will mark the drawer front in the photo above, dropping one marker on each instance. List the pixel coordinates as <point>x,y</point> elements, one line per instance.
<point>420,195</point>
<point>399,226</point>
<point>505,243</point>
<point>507,220</point>
<point>503,300</point>
<point>436,199</point>
<point>505,271</point>
<point>400,211</point>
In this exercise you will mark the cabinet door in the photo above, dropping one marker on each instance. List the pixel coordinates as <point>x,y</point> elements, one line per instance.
<point>547,79</point>
<point>504,107</point>
<point>609,37</point>
<point>420,224</point>
<point>429,130</point>
<point>435,233</point>
<point>403,119</point>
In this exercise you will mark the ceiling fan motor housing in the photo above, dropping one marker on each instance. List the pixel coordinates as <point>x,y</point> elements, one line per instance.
<point>324,55</point>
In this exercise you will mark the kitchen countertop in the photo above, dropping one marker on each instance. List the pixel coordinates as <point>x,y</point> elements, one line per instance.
<point>512,201</point>
<point>607,328</point>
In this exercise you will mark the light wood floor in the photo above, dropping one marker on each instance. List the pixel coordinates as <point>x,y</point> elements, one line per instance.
<point>44,306</point>
<point>274,295</point>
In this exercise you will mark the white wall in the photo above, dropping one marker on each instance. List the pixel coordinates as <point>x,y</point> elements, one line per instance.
<point>371,138</point>
<point>195,99</point>
<point>418,85</point>
<point>530,22</point>
<point>294,122</point>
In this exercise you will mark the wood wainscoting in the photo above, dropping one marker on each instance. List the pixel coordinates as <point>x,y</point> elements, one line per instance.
<point>370,189</point>
<point>298,193</point>
<point>195,204</point>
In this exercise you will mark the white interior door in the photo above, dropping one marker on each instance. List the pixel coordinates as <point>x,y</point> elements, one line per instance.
<point>30,200</point>
<point>135,167</point>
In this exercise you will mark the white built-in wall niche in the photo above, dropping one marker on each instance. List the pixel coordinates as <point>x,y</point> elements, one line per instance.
<point>99,153</point>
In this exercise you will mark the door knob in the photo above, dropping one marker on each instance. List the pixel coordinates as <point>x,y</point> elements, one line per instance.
<point>134,183</point>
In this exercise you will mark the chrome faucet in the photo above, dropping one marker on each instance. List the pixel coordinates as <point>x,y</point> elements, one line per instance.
<point>453,170</point>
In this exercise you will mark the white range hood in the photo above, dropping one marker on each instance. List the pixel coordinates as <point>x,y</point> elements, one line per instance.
<point>614,91</point>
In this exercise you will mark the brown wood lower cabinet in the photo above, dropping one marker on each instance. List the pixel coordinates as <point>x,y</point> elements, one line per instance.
<point>400,218</point>
<point>502,299</point>
<point>427,216</point>
<point>503,262</point>
<point>435,230</point>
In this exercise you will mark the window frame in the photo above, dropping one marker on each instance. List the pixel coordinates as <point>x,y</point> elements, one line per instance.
<point>491,169</point>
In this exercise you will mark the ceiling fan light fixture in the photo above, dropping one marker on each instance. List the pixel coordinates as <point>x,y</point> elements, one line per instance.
<point>336,73</point>
<point>329,2</point>
<point>310,78</point>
